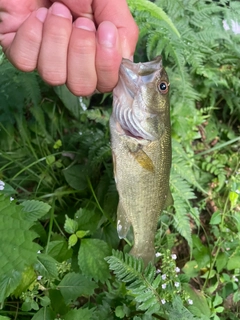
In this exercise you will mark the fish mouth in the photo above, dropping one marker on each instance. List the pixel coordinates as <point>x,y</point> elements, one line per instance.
<point>131,77</point>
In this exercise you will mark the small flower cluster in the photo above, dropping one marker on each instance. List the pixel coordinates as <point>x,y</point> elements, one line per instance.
<point>2,185</point>
<point>170,282</point>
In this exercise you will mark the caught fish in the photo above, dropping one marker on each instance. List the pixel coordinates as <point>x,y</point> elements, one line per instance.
<point>141,147</point>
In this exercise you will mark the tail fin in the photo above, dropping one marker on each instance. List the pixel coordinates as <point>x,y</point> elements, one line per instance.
<point>146,253</point>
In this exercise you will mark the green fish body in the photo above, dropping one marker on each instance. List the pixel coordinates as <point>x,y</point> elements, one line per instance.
<point>141,147</point>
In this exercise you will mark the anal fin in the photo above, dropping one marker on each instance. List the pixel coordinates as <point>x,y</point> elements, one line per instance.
<point>123,223</point>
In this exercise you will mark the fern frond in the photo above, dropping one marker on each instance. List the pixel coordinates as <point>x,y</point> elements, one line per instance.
<point>141,283</point>
<point>153,11</point>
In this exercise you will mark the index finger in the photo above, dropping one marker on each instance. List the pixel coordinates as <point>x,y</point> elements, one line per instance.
<point>115,11</point>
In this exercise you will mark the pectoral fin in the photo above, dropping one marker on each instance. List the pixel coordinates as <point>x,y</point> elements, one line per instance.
<point>123,223</point>
<point>143,159</point>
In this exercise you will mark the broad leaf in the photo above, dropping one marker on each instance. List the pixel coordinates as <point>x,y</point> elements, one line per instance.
<point>44,314</point>
<point>75,285</point>
<point>85,314</point>
<point>46,266</point>
<point>91,258</point>
<point>17,249</point>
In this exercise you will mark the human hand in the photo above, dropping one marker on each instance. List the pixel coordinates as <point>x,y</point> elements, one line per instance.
<point>85,54</point>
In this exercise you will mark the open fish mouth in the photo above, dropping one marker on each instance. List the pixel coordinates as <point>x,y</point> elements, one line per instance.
<point>132,115</point>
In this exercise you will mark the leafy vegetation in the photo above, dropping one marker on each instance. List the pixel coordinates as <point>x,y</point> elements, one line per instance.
<point>60,254</point>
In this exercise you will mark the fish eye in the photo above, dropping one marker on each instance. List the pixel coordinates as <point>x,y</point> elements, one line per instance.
<point>163,87</point>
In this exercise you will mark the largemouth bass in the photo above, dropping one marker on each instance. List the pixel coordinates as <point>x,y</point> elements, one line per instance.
<point>141,147</point>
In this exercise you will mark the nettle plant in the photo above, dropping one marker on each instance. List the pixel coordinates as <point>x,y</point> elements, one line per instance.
<point>60,254</point>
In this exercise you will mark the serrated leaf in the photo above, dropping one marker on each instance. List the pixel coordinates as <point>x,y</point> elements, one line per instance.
<point>75,285</point>
<point>85,314</point>
<point>72,240</point>
<point>44,314</point>
<point>70,225</point>
<point>34,209</point>
<point>88,218</point>
<point>46,266</point>
<point>17,249</point>
<point>28,277</point>
<point>91,258</point>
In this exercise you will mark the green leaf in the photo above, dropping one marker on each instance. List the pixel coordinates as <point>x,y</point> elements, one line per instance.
<point>234,260</point>
<point>4,318</point>
<point>34,209</point>
<point>119,312</point>
<point>75,285</point>
<point>81,233</point>
<point>199,301</point>
<point>44,314</point>
<point>28,277</point>
<point>45,301</point>
<point>46,266</point>
<point>191,269</point>
<point>88,218</point>
<point>76,177</point>
<point>221,262</point>
<point>17,249</point>
<point>57,144</point>
<point>91,259</point>
<point>70,101</point>
<point>84,314</point>
<point>58,304</point>
<point>72,240</point>
<point>216,218</point>
<point>50,160</point>
<point>70,225</point>
<point>59,250</point>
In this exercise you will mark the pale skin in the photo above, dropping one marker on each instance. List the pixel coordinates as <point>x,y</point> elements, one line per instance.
<point>79,43</point>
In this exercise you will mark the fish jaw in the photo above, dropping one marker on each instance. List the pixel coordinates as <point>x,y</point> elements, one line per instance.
<point>136,98</point>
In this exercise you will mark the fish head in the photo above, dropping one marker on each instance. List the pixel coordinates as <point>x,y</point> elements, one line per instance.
<point>141,98</point>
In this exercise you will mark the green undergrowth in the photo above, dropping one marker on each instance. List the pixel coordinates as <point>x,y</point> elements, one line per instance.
<point>61,257</point>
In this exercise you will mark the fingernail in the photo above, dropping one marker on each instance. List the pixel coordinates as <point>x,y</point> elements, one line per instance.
<point>41,14</point>
<point>107,34</point>
<point>85,23</point>
<point>60,10</point>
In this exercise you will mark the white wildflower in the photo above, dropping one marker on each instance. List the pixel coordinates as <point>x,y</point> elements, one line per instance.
<point>176,284</point>
<point>164,276</point>
<point>235,278</point>
<point>190,301</point>
<point>2,184</point>
<point>158,271</point>
<point>39,278</point>
<point>164,286</point>
<point>177,269</point>
<point>174,256</point>
<point>163,301</point>
<point>11,198</point>
<point>158,254</point>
